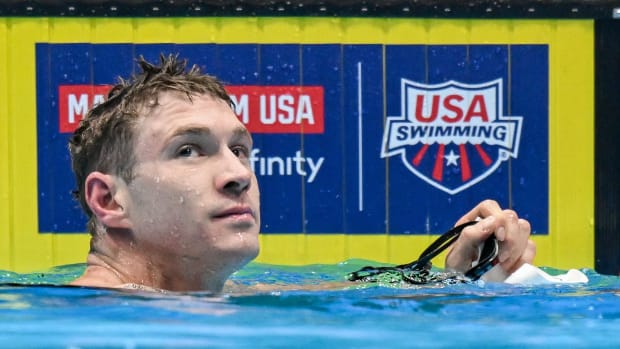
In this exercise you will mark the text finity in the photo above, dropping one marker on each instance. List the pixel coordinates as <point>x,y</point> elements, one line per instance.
<point>286,166</point>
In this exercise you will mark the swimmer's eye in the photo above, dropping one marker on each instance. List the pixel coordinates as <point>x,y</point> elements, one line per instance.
<point>188,151</point>
<point>240,151</point>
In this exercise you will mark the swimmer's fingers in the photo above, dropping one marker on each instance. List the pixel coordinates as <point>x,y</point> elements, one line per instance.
<point>486,208</point>
<point>517,248</point>
<point>466,248</point>
<point>511,232</point>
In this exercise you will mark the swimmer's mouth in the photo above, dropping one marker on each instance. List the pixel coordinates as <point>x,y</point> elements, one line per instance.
<point>235,212</point>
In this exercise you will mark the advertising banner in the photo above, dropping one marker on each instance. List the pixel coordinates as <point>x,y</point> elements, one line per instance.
<point>351,139</point>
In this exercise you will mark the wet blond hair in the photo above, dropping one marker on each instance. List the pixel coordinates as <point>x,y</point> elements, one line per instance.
<point>105,139</point>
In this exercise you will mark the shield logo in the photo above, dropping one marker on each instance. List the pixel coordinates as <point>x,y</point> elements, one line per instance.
<point>452,135</point>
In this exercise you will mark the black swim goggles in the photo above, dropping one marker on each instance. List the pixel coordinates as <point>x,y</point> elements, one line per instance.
<point>419,271</point>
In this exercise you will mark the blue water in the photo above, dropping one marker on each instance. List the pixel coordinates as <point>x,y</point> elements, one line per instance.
<point>369,316</point>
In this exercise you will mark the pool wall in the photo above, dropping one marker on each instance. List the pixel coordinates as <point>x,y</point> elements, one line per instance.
<point>341,173</point>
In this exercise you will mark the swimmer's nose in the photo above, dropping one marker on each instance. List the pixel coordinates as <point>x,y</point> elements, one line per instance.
<point>236,176</point>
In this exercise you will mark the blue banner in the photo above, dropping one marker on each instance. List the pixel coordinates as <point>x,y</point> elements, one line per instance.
<point>356,139</point>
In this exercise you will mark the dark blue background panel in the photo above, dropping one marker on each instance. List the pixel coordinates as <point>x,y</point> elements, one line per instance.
<point>364,170</point>
<point>323,188</point>
<point>375,167</point>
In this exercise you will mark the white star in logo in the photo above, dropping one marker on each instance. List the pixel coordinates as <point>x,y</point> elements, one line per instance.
<point>451,159</point>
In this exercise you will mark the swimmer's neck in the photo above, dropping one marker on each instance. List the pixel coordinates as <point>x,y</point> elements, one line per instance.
<point>118,271</point>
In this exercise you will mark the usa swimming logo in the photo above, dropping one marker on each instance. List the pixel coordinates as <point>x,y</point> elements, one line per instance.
<point>452,135</point>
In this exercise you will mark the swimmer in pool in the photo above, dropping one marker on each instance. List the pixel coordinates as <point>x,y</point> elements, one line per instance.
<point>163,172</point>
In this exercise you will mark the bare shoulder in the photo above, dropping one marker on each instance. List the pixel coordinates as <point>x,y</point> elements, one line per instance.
<point>89,280</point>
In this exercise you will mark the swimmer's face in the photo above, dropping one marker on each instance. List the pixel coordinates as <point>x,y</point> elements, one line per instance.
<point>194,195</point>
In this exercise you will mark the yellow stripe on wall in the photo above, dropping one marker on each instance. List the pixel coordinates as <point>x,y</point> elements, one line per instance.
<point>28,247</point>
<point>570,240</point>
<point>571,145</point>
<point>5,180</point>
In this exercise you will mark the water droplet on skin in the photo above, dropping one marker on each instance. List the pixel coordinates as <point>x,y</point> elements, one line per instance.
<point>181,200</point>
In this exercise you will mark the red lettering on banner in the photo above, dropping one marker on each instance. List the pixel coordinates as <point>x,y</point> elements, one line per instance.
<point>279,109</point>
<point>451,108</point>
<point>263,109</point>
<point>74,102</point>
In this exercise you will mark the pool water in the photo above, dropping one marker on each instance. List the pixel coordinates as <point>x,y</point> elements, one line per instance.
<point>34,313</point>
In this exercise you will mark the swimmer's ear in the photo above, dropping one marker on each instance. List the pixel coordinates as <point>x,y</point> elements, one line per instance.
<point>101,196</point>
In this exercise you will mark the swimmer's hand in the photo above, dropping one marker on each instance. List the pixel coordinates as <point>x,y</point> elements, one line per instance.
<point>512,233</point>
